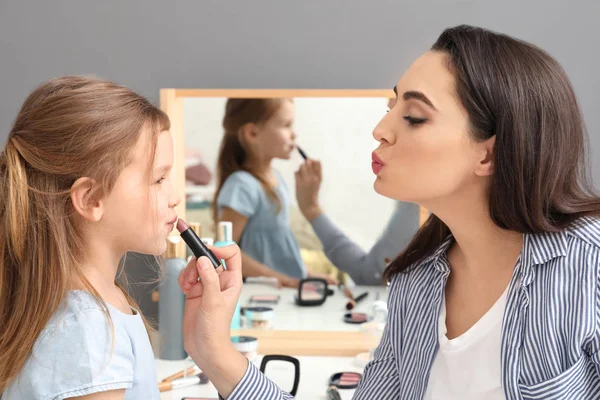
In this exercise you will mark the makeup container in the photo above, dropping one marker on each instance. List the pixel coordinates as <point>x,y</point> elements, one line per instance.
<point>225,238</point>
<point>264,299</point>
<point>207,241</point>
<point>224,234</point>
<point>247,345</point>
<point>259,317</point>
<point>171,302</point>
<point>345,380</point>
<point>355,318</point>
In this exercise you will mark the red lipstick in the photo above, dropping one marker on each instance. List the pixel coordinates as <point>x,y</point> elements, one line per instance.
<point>376,163</point>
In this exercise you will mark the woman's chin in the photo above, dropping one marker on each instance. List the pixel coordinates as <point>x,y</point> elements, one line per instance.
<point>379,186</point>
<point>382,188</point>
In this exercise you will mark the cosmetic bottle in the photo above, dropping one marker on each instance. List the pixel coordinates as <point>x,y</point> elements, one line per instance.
<point>225,238</point>
<point>171,302</point>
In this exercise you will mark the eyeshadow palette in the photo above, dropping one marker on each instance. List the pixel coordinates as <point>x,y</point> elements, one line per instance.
<point>345,380</point>
<point>267,298</point>
<point>355,318</point>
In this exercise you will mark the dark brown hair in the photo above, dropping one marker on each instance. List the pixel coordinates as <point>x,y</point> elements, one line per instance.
<point>232,155</point>
<point>68,128</point>
<point>519,93</point>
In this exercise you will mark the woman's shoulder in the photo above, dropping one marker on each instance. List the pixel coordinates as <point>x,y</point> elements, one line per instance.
<point>586,230</point>
<point>580,237</point>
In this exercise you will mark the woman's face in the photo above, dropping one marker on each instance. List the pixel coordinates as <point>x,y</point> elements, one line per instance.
<point>426,152</point>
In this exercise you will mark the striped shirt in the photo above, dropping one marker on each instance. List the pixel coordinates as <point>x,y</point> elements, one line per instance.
<point>550,330</point>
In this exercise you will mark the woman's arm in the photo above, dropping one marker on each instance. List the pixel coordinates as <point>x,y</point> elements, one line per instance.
<point>365,268</point>
<point>209,306</point>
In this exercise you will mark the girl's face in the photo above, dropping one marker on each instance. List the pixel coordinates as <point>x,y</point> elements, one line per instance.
<point>139,213</point>
<point>426,152</point>
<point>276,137</point>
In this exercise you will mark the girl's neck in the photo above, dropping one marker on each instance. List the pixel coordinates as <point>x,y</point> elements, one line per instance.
<point>100,265</point>
<point>260,168</point>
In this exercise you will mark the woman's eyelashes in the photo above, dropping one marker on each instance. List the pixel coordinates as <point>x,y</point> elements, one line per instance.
<point>413,121</point>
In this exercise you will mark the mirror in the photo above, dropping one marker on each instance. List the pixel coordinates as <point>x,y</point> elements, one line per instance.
<point>312,292</point>
<point>333,126</point>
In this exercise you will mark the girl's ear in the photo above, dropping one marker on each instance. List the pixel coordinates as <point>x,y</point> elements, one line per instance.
<point>87,199</point>
<point>249,132</point>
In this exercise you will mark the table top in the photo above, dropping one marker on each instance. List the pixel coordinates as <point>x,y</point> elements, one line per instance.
<point>314,377</point>
<point>329,316</point>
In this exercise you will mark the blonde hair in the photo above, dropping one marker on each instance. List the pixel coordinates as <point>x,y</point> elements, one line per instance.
<point>68,128</point>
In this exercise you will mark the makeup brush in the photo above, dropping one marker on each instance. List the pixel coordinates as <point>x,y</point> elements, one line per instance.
<point>183,382</point>
<point>352,303</point>
<point>194,370</point>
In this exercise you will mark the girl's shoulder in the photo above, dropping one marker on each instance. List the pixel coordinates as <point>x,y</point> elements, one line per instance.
<point>242,177</point>
<point>78,334</point>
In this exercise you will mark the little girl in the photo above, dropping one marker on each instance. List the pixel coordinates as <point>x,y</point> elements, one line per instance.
<point>251,194</point>
<point>84,178</point>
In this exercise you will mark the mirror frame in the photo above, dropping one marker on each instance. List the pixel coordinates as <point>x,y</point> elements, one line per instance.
<point>171,102</point>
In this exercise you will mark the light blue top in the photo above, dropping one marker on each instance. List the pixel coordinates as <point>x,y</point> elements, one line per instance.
<point>72,356</point>
<point>267,237</point>
<point>550,332</point>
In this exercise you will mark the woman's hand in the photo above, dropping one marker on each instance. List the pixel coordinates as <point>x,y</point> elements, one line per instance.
<point>209,306</point>
<point>308,183</point>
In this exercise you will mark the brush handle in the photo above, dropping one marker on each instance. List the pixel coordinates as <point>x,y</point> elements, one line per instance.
<point>183,373</point>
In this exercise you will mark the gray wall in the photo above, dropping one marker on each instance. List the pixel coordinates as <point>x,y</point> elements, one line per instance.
<point>152,44</point>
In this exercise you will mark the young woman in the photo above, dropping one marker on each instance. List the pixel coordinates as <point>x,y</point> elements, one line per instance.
<point>498,294</point>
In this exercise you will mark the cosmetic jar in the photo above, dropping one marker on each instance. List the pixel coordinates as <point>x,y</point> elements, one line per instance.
<point>259,317</point>
<point>247,345</point>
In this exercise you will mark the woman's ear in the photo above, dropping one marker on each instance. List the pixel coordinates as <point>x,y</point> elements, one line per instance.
<point>485,164</point>
<point>87,199</point>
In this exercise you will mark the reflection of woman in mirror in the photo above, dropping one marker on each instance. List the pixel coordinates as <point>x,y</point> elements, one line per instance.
<point>251,194</point>
<point>497,296</point>
<point>365,268</point>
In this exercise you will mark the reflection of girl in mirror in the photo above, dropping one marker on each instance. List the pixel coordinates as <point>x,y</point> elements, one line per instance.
<point>251,194</point>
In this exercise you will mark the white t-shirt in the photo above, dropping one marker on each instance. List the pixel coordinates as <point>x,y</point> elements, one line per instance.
<point>469,367</point>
